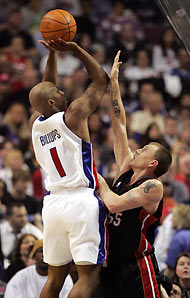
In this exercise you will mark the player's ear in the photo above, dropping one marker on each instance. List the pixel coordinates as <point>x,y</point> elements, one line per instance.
<point>51,102</point>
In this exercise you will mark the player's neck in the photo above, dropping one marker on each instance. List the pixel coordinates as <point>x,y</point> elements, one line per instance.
<point>138,174</point>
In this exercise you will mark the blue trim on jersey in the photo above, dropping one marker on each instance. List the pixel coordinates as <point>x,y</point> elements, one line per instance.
<point>87,162</point>
<point>41,118</point>
<point>102,220</point>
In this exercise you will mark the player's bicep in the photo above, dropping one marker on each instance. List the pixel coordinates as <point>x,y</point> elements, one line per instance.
<point>147,195</point>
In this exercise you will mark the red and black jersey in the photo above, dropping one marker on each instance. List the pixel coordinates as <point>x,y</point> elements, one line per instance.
<point>131,232</point>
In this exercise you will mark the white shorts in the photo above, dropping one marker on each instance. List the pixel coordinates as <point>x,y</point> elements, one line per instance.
<point>74,227</point>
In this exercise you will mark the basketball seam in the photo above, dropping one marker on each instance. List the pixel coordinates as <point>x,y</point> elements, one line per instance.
<point>57,30</point>
<point>65,17</point>
<point>66,21</point>
<point>55,21</point>
<point>44,32</point>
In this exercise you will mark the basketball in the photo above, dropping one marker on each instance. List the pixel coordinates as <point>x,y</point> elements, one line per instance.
<point>58,23</point>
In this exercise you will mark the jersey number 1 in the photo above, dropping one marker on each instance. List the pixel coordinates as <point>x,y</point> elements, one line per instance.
<point>57,162</point>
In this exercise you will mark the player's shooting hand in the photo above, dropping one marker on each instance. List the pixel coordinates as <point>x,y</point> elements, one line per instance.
<point>62,46</point>
<point>115,66</point>
<point>46,45</point>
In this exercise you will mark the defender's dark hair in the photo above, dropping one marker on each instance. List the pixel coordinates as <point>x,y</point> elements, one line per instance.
<point>164,158</point>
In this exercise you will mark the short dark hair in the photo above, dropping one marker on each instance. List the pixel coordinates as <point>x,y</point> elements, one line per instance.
<point>164,158</point>
<point>10,207</point>
<point>20,175</point>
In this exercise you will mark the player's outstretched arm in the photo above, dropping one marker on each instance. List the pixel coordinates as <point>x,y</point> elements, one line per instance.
<point>100,80</point>
<point>50,73</point>
<point>120,139</point>
<point>146,195</point>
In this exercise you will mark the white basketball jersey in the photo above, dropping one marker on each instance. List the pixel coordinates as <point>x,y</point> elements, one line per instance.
<point>66,159</point>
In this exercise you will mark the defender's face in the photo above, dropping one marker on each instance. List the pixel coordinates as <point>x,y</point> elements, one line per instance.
<point>143,157</point>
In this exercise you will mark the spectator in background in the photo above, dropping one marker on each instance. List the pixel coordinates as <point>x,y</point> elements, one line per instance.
<point>184,108</point>
<point>13,160</point>
<point>183,174</point>
<point>164,53</point>
<point>183,70</point>
<point>13,28</point>
<point>104,111</point>
<point>15,124</point>
<point>38,175</point>
<point>140,120</point>
<point>145,88</point>
<point>18,60</point>
<point>13,227</point>
<point>182,272</point>
<point>3,196</point>
<point>106,151</point>
<point>5,89</point>
<point>19,258</point>
<point>95,128</point>
<point>141,69</point>
<point>125,40</point>
<point>67,64</point>
<point>29,282</point>
<point>153,134</point>
<point>98,51</point>
<point>28,80</point>
<point>75,84</point>
<point>5,146</point>
<point>20,181</point>
<point>31,14</point>
<point>162,241</point>
<point>180,241</point>
<point>171,130</point>
<point>85,23</point>
<point>6,6</point>
<point>178,188</point>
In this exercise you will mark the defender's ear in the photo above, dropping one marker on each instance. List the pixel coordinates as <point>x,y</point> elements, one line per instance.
<point>153,163</point>
<point>51,101</point>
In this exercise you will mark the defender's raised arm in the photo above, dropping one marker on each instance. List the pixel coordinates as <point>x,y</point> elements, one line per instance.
<point>121,149</point>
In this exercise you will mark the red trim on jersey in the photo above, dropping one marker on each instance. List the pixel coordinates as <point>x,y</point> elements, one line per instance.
<point>95,175</point>
<point>148,277</point>
<point>144,246</point>
<point>147,222</point>
<point>107,242</point>
<point>57,162</point>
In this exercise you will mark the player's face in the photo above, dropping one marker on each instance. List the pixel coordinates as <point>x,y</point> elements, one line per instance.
<point>61,102</point>
<point>143,157</point>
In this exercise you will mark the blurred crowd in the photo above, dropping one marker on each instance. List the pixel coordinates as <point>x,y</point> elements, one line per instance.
<point>155,88</point>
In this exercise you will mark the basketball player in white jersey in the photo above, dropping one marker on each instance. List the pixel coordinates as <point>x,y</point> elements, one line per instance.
<point>73,217</point>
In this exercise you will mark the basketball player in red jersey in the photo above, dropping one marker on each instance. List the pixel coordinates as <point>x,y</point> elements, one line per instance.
<point>73,216</point>
<point>135,207</point>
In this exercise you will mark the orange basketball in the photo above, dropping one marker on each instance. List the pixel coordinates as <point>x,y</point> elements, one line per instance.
<point>58,23</point>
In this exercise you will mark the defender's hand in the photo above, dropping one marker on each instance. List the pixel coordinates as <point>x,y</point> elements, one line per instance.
<point>115,66</point>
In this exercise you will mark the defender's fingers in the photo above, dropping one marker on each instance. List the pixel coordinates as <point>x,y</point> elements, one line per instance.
<point>117,56</point>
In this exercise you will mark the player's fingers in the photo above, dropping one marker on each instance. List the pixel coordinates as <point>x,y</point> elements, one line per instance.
<point>42,42</point>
